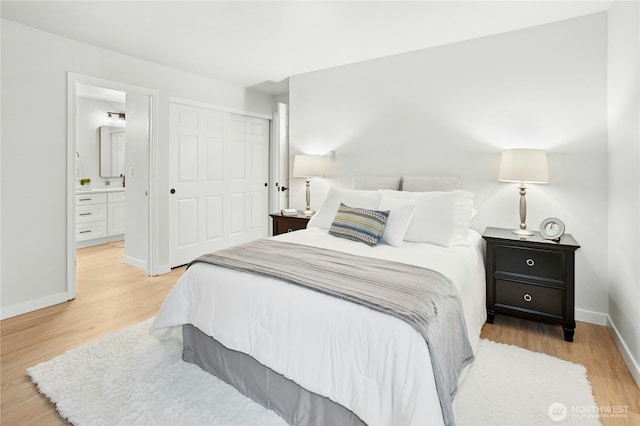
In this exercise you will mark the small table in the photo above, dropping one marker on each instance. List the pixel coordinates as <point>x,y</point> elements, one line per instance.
<point>531,278</point>
<point>283,224</point>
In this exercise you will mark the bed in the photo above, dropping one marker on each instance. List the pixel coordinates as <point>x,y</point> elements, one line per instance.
<point>319,359</point>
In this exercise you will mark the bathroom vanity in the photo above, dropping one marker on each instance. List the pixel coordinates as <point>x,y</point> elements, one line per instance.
<point>100,216</point>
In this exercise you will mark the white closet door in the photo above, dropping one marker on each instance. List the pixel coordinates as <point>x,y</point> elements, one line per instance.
<point>218,175</point>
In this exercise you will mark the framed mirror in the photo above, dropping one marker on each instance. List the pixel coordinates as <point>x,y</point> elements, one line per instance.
<point>112,141</point>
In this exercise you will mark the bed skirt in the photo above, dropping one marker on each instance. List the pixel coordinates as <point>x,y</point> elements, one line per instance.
<point>296,405</point>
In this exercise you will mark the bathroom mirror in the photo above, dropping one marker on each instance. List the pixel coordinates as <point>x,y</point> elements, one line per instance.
<point>112,151</point>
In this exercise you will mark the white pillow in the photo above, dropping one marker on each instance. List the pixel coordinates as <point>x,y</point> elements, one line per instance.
<point>351,197</point>
<point>430,183</point>
<point>375,182</point>
<point>400,214</point>
<point>440,218</point>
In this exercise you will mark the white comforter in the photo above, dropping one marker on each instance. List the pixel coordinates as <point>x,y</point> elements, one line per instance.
<point>371,363</point>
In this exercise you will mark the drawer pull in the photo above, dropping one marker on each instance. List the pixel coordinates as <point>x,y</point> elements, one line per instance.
<point>530,262</point>
<point>85,199</point>
<point>527,297</point>
<point>85,232</point>
<point>85,214</point>
<point>289,230</point>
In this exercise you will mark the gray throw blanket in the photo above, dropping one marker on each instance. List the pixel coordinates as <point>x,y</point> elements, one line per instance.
<point>424,298</point>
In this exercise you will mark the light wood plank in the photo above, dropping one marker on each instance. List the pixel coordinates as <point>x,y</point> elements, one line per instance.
<point>113,295</point>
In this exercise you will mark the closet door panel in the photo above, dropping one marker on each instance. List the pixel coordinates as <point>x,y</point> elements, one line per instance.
<point>219,161</point>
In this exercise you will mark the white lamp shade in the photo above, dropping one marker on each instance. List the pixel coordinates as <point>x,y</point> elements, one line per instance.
<point>523,165</point>
<point>307,165</point>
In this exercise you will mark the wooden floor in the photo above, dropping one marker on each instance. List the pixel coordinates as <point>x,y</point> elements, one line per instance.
<point>112,295</point>
<point>593,347</point>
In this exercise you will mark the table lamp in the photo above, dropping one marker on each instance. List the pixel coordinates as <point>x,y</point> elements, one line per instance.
<point>523,165</point>
<point>307,166</point>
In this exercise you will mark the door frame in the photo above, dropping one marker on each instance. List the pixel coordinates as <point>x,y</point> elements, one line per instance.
<point>152,158</point>
<point>279,159</point>
<point>198,104</point>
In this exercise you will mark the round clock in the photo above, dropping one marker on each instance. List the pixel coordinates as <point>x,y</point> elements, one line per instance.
<point>552,228</point>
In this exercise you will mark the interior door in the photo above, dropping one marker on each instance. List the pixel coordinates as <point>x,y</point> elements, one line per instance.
<point>218,178</point>
<point>136,247</point>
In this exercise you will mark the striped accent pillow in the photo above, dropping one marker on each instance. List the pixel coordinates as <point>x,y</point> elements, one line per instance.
<point>359,224</point>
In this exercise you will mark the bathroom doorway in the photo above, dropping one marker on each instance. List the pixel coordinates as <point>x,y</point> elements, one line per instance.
<point>110,145</point>
<point>100,215</point>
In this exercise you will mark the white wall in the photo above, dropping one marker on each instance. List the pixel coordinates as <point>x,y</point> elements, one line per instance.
<point>34,158</point>
<point>92,114</point>
<point>450,110</point>
<point>624,178</point>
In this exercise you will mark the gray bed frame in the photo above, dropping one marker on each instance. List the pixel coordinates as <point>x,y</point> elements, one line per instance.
<point>296,405</point>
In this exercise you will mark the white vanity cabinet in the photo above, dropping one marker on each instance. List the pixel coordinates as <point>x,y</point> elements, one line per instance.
<point>91,216</point>
<point>115,213</point>
<point>100,217</point>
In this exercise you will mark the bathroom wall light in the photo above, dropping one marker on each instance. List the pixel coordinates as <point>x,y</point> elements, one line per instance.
<point>115,117</point>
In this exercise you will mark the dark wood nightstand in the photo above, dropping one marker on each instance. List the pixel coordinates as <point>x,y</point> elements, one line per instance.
<point>283,224</point>
<point>531,278</point>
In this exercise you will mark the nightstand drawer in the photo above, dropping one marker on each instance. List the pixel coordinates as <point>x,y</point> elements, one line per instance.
<point>289,225</point>
<point>544,300</point>
<point>283,224</point>
<point>540,264</point>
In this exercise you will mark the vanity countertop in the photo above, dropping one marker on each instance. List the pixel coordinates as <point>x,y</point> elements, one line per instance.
<point>98,190</point>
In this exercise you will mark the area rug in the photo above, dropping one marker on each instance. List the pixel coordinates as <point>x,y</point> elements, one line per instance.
<point>131,378</point>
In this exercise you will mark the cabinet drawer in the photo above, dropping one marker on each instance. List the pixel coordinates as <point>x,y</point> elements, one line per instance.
<point>116,197</point>
<point>534,263</point>
<point>283,225</point>
<point>91,230</point>
<point>545,300</point>
<point>82,199</point>
<point>91,213</point>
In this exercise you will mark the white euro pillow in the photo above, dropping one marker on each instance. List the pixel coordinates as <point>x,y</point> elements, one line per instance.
<point>440,217</point>
<point>375,182</point>
<point>400,214</point>
<point>351,197</point>
<point>430,183</point>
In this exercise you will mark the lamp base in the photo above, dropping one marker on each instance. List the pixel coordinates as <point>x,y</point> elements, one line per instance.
<point>308,212</point>
<point>523,232</point>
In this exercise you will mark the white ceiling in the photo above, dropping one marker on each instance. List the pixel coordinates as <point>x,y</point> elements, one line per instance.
<point>260,44</point>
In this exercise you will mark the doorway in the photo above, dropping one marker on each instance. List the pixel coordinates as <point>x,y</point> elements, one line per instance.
<point>131,193</point>
<point>100,214</point>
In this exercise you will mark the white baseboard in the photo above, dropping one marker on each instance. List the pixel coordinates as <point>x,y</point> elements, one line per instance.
<point>135,262</point>
<point>632,364</point>
<point>597,318</point>
<point>163,269</point>
<point>33,305</point>
<point>98,241</point>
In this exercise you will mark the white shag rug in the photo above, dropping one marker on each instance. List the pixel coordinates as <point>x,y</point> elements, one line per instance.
<point>131,378</point>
